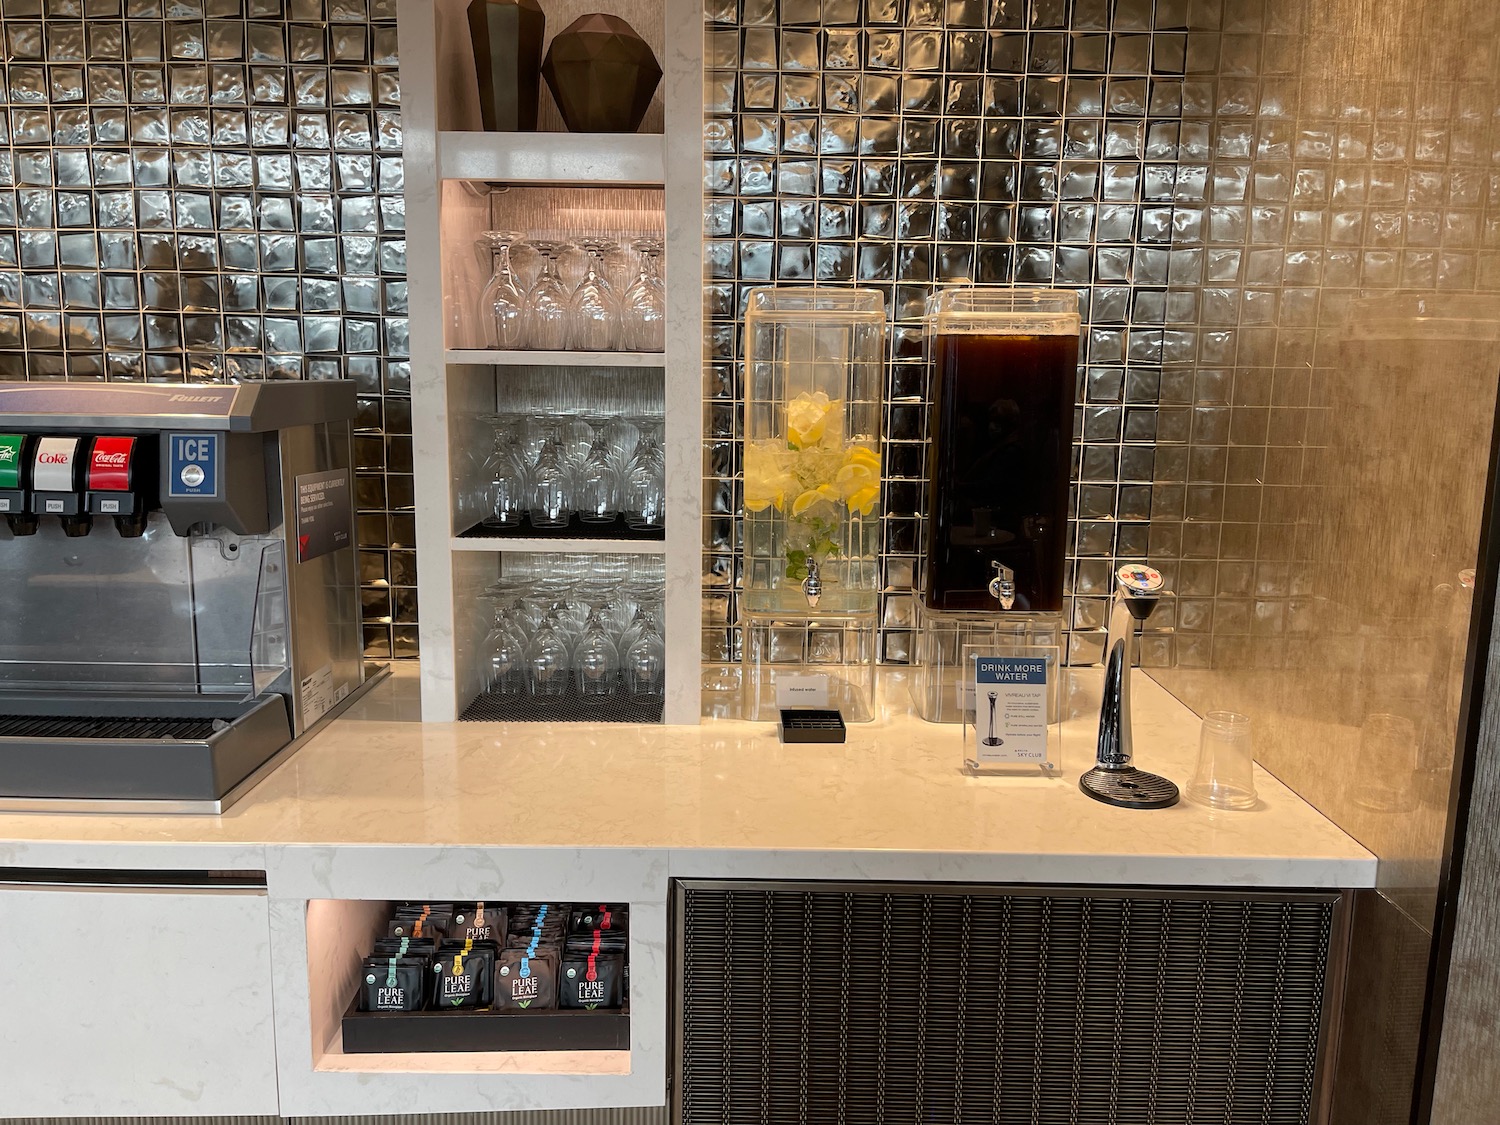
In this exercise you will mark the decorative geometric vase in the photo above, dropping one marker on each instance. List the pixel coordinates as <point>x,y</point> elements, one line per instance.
<point>602,75</point>
<point>508,37</point>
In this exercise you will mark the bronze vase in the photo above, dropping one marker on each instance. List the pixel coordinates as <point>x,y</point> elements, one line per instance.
<point>602,75</point>
<point>508,37</point>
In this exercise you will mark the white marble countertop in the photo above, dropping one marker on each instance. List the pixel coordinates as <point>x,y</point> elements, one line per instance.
<point>724,800</point>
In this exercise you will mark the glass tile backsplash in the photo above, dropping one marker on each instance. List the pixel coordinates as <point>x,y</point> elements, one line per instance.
<point>212,190</point>
<point>1177,162</point>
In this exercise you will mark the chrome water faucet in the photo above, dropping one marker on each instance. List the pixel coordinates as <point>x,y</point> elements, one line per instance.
<point>1137,590</point>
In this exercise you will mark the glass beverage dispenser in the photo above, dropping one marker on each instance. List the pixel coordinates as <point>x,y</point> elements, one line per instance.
<point>814,374</point>
<point>1006,367</point>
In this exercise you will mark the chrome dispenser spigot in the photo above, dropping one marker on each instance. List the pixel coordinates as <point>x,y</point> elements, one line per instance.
<point>1003,585</point>
<point>1137,590</point>
<point>1114,778</point>
<point>812,585</point>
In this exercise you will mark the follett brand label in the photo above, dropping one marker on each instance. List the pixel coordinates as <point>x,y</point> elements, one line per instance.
<point>55,457</point>
<point>109,464</point>
<point>10,460</point>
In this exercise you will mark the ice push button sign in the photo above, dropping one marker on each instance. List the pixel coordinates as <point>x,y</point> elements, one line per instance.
<point>193,465</point>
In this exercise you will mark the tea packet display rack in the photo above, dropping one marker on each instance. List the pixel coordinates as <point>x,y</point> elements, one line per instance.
<point>486,976</point>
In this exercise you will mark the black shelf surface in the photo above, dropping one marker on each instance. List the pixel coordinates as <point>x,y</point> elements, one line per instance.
<point>576,529</point>
<point>385,1033</point>
<point>489,707</point>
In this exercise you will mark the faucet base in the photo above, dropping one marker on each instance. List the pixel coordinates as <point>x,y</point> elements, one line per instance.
<point>1129,788</point>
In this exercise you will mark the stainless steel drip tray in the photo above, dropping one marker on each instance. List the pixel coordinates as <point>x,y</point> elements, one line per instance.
<point>85,746</point>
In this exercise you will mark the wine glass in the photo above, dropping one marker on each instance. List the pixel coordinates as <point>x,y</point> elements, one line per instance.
<point>551,481</point>
<point>644,490</point>
<point>643,313</point>
<point>593,311</point>
<point>506,471</point>
<point>596,659</point>
<point>505,646</point>
<point>645,662</point>
<point>598,485</point>
<point>548,662</point>
<point>546,321</point>
<point>502,305</point>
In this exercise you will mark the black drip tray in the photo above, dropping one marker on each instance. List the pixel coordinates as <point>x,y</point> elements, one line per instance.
<point>124,727</point>
<point>160,748</point>
<point>576,529</point>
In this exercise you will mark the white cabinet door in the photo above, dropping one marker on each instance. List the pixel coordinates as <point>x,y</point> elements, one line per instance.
<point>135,1001</point>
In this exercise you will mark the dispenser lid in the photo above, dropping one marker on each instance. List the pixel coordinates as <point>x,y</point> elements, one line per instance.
<point>236,407</point>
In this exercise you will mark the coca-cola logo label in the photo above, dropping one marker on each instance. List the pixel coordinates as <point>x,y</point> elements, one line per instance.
<point>54,459</point>
<point>110,460</point>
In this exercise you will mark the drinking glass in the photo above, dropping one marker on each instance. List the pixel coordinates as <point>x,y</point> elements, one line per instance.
<point>596,659</point>
<point>509,482</point>
<point>549,667</point>
<point>1225,777</point>
<point>1387,757</point>
<point>593,311</point>
<point>506,643</point>
<point>645,490</point>
<point>646,662</point>
<point>502,305</point>
<point>546,319</point>
<point>551,481</point>
<point>598,485</point>
<point>643,313</point>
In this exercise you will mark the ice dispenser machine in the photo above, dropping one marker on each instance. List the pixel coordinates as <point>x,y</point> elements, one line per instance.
<point>180,601</point>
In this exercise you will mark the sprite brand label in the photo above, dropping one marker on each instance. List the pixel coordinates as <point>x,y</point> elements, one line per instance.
<point>10,460</point>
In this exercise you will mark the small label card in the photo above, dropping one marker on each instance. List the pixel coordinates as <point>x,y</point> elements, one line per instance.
<point>1010,709</point>
<point>802,691</point>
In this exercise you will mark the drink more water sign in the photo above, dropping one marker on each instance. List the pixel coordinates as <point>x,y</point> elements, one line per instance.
<point>1010,709</point>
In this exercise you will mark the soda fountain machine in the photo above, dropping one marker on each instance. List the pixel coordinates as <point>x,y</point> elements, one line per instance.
<point>180,603</point>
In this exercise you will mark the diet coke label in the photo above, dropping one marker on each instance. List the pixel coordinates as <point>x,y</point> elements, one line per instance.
<point>109,464</point>
<point>53,469</point>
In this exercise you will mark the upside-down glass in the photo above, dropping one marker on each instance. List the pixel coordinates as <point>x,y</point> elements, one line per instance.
<point>596,659</point>
<point>502,304</point>
<point>593,310</point>
<point>645,483</point>
<point>1225,777</point>
<point>598,485</point>
<point>551,481</point>
<point>506,471</point>
<point>643,313</point>
<point>506,644</point>
<point>547,300</point>
<point>645,661</point>
<point>549,667</point>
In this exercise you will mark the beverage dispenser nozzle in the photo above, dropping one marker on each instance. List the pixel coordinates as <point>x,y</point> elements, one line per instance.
<point>15,484</point>
<point>1003,585</point>
<point>1114,778</point>
<point>812,585</point>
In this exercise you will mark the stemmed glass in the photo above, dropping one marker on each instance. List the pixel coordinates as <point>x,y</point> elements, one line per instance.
<point>548,665</point>
<point>506,643</point>
<point>644,490</point>
<point>551,481</point>
<point>505,468</point>
<point>502,305</point>
<point>596,658</point>
<point>593,311</point>
<point>598,490</point>
<point>643,315</point>
<point>547,300</point>
<point>645,661</point>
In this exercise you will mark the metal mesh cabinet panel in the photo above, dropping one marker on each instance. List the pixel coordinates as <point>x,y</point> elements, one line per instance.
<point>819,1003</point>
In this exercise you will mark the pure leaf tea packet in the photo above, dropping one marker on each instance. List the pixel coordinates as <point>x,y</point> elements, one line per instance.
<point>480,922</point>
<point>607,937</point>
<point>427,923</point>
<point>393,984</point>
<point>526,981</point>
<point>539,925</point>
<point>460,973</point>
<point>591,981</point>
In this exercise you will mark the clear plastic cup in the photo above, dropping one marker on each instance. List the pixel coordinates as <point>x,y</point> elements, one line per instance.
<point>1225,777</point>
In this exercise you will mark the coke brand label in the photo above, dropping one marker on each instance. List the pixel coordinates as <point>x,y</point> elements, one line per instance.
<point>53,470</point>
<point>109,467</point>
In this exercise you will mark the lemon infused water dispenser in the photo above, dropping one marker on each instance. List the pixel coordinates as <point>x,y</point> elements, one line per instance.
<point>180,600</point>
<point>815,363</point>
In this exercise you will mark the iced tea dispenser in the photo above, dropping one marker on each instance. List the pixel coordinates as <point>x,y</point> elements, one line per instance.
<point>1005,370</point>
